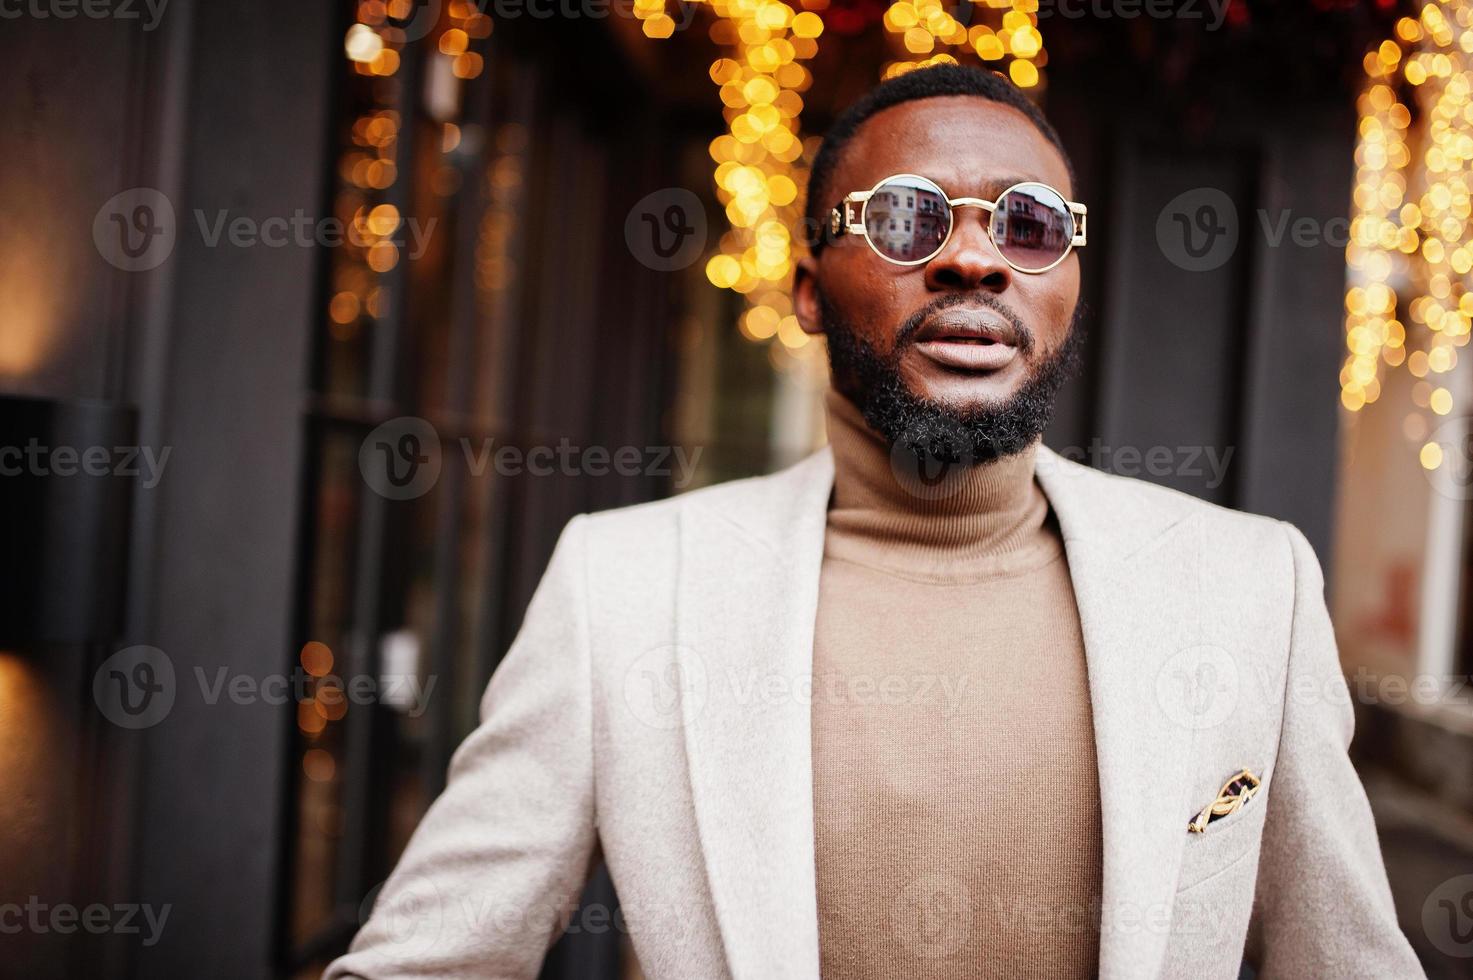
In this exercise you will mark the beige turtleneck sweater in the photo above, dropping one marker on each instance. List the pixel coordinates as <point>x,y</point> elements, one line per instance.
<point>956,796</point>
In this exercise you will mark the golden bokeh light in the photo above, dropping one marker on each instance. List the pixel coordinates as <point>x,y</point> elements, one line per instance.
<point>316,657</point>
<point>363,43</point>
<point>1407,301</point>
<point>318,765</point>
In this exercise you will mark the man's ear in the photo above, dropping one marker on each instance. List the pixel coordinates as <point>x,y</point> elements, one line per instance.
<point>805,296</point>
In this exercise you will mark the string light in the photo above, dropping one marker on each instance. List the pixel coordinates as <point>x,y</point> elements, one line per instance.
<point>374,45</point>
<point>762,159</point>
<point>930,35</point>
<point>1409,248</point>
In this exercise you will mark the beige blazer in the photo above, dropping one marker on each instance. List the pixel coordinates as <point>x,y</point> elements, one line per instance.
<point>653,708</point>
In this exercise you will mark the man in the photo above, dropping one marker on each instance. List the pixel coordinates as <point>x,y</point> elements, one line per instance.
<point>933,702</point>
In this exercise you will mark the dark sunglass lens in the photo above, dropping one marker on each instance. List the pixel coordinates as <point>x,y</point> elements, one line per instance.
<point>907,219</point>
<point>1032,227</point>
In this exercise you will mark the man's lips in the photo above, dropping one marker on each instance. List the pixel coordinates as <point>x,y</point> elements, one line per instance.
<point>965,339</point>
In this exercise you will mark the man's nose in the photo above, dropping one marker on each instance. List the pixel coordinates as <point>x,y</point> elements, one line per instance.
<point>970,260</point>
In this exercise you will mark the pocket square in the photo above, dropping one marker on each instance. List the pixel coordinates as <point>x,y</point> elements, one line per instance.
<point>1237,791</point>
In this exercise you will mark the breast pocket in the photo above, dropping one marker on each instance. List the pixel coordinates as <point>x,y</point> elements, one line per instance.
<point>1226,841</point>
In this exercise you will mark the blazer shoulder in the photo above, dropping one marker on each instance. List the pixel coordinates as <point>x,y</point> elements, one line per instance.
<point>743,500</point>
<point>1133,501</point>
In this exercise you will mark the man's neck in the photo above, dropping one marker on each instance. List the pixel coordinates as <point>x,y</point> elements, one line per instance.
<point>886,498</point>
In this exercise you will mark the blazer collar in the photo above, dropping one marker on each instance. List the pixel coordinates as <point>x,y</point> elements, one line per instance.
<point>750,564</point>
<point>748,593</point>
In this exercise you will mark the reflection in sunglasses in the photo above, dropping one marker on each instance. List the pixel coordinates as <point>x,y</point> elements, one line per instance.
<point>908,219</point>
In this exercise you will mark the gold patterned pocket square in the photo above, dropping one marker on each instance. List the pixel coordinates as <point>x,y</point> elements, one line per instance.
<point>1237,791</point>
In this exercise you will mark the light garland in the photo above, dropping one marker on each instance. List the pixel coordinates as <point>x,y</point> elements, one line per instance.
<point>924,26</point>
<point>1410,223</point>
<point>760,160</point>
<point>373,45</point>
<point>760,165</point>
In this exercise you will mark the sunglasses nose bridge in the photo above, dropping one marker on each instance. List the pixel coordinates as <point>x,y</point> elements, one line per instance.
<point>970,257</point>
<point>971,202</point>
<point>984,208</point>
<point>984,214</point>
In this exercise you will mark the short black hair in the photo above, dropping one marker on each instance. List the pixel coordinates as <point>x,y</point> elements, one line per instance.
<point>921,83</point>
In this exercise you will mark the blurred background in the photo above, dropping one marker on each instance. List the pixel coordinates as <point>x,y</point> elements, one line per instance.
<point>317,318</point>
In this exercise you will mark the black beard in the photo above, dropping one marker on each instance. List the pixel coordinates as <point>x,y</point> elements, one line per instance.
<point>932,433</point>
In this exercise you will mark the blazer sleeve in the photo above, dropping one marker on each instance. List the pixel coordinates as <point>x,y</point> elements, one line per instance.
<point>1323,906</point>
<point>490,876</point>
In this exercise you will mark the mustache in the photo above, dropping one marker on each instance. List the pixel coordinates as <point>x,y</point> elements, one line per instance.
<point>1022,336</point>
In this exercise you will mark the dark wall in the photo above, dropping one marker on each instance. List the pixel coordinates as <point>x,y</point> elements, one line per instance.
<point>220,551</point>
<point>69,134</point>
<point>70,142</point>
<point>1217,351</point>
<point>210,107</point>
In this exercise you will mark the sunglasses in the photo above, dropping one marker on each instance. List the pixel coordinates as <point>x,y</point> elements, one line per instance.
<point>908,220</point>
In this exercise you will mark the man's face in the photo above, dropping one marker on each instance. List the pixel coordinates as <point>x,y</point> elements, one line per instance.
<point>902,315</point>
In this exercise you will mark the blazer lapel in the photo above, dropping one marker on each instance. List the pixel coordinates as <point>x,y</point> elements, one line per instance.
<point>1136,574</point>
<point>748,595</point>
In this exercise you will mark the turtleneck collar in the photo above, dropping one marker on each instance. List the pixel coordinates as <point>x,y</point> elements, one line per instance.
<point>974,521</point>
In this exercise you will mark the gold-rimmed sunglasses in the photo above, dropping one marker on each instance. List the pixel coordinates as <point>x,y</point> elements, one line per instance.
<point>908,219</point>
